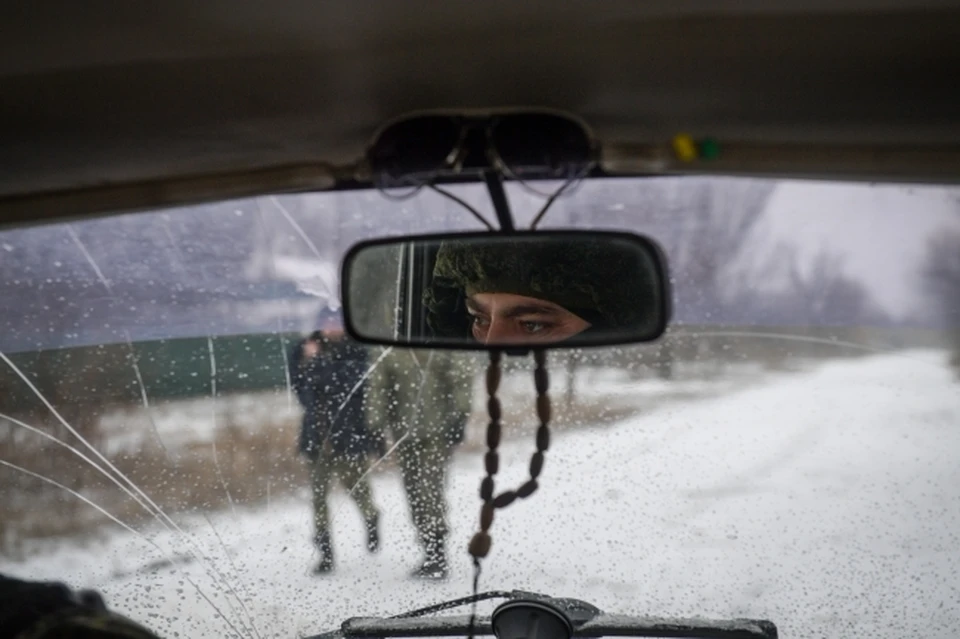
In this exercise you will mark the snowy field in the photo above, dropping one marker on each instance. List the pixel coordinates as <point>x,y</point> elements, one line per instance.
<point>827,501</point>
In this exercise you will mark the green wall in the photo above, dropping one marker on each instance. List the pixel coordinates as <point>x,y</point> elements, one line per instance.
<point>170,369</point>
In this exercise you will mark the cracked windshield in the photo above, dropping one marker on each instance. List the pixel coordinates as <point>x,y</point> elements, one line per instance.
<point>185,427</point>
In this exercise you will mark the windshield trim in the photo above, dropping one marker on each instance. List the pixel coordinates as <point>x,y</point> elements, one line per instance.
<point>933,165</point>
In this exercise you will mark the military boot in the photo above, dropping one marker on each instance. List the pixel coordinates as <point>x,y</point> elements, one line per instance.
<point>373,533</point>
<point>326,554</point>
<point>434,564</point>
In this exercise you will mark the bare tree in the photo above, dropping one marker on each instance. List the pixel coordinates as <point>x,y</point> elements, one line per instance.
<point>813,291</point>
<point>703,225</point>
<point>941,274</point>
<point>942,271</point>
<point>826,294</point>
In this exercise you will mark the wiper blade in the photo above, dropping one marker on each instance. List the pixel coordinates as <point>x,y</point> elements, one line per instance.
<point>603,625</point>
<point>628,626</point>
<point>585,619</point>
<point>463,601</point>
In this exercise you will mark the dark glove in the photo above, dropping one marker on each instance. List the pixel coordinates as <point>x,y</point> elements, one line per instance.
<point>378,446</point>
<point>48,610</point>
<point>309,444</point>
<point>311,450</point>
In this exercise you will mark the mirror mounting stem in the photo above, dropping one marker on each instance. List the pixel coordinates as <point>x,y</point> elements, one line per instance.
<point>499,198</point>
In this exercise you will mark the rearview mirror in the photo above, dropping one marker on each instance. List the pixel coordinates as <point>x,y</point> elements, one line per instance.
<point>517,290</point>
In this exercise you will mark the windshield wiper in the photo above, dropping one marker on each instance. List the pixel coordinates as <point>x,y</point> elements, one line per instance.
<point>463,601</point>
<point>587,621</point>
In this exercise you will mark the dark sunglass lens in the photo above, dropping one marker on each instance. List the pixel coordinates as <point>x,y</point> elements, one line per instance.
<point>539,145</point>
<point>413,147</point>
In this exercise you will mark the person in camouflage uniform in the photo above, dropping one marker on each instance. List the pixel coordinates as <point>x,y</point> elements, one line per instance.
<point>419,399</point>
<point>422,400</point>
<point>326,372</point>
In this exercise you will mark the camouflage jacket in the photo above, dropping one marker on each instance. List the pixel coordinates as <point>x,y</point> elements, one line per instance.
<point>421,394</point>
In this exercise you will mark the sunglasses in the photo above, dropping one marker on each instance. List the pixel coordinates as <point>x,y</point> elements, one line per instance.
<point>525,146</point>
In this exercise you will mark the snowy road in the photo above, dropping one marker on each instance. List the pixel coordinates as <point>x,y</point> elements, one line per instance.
<point>827,501</point>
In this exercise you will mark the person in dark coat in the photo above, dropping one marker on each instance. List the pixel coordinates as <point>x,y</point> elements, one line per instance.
<point>326,372</point>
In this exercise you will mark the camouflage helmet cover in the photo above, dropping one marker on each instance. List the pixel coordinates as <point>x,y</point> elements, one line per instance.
<point>609,282</point>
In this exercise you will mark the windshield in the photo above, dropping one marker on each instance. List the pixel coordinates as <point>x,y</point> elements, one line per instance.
<point>184,427</point>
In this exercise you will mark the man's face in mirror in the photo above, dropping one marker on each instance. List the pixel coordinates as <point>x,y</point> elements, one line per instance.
<point>505,318</point>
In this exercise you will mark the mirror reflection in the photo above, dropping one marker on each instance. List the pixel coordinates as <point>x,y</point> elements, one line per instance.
<point>475,291</point>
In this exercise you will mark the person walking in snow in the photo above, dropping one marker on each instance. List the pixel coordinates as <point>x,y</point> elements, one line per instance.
<point>422,401</point>
<point>326,372</point>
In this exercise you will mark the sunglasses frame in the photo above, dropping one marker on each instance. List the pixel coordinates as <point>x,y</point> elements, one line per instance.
<point>453,161</point>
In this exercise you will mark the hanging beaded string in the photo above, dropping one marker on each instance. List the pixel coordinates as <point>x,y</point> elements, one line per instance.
<point>482,541</point>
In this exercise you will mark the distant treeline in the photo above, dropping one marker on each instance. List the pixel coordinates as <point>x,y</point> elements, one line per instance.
<point>86,380</point>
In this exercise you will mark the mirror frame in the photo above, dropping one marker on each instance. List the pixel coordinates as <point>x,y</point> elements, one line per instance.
<point>662,275</point>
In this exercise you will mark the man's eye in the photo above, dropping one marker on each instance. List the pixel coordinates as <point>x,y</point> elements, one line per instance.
<point>481,322</point>
<point>533,327</point>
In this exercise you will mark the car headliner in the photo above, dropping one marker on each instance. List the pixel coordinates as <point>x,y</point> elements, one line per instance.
<point>111,106</point>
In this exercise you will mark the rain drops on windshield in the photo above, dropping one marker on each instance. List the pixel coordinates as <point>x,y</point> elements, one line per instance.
<point>186,428</point>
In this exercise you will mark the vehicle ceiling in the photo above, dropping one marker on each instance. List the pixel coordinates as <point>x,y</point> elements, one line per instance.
<point>99,94</point>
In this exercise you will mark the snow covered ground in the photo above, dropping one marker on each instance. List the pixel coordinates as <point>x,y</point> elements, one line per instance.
<point>182,422</point>
<point>826,500</point>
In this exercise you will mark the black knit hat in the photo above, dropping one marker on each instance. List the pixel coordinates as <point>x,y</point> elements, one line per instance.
<point>609,282</point>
